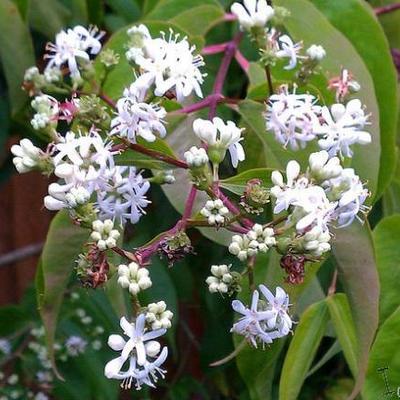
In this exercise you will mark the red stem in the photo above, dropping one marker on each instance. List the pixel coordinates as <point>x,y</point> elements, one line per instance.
<point>242,61</point>
<point>214,49</point>
<point>157,155</point>
<point>387,9</point>
<point>107,100</point>
<point>188,206</point>
<point>230,50</point>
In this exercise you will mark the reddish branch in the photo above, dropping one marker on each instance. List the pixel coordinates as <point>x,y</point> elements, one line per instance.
<point>387,9</point>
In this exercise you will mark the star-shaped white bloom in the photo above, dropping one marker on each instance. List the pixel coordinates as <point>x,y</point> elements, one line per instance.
<point>124,198</point>
<point>342,126</point>
<point>141,352</point>
<point>288,49</point>
<point>71,46</point>
<point>170,64</point>
<point>292,117</point>
<point>279,306</point>
<point>249,325</point>
<point>84,160</point>
<point>136,118</point>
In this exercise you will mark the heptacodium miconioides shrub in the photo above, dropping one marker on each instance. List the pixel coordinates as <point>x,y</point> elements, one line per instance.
<point>104,196</point>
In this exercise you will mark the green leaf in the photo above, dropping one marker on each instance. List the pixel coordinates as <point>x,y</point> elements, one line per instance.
<point>331,352</point>
<point>386,239</point>
<point>303,347</point>
<point>384,354</point>
<point>310,25</point>
<point>168,9</point>
<point>354,253</point>
<point>63,245</point>
<point>132,157</point>
<point>128,9</point>
<point>53,12</point>
<point>16,52</point>
<point>351,18</point>
<point>199,20</point>
<point>237,184</point>
<point>343,324</point>
<point>13,318</point>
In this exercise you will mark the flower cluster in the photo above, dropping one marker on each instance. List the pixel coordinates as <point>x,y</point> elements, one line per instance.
<point>223,280</point>
<point>133,278</point>
<point>215,212</point>
<point>168,63</point>
<point>257,239</point>
<point>157,316</point>
<point>266,319</point>
<point>104,234</point>
<point>296,119</point>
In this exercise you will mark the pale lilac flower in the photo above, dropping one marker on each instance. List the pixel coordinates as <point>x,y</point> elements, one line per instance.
<point>75,345</point>
<point>124,199</point>
<point>288,49</point>
<point>292,118</point>
<point>136,118</point>
<point>141,352</point>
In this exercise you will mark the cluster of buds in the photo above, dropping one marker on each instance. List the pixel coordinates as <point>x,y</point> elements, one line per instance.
<point>215,212</point>
<point>258,239</point>
<point>223,280</point>
<point>255,197</point>
<point>47,110</point>
<point>104,234</point>
<point>133,278</point>
<point>158,317</point>
<point>198,162</point>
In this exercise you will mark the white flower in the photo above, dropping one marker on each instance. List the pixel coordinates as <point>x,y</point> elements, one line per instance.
<point>137,118</point>
<point>31,73</point>
<point>196,157</point>
<point>27,156</point>
<point>65,196</point>
<point>252,325</point>
<point>279,305</point>
<point>221,136</point>
<point>133,278</point>
<point>170,64</point>
<point>316,52</point>
<point>84,160</point>
<point>292,117</point>
<point>255,13</point>
<point>350,194</point>
<point>73,46</point>
<point>215,212</point>
<point>104,234</point>
<point>343,126</point>
<point>158,316</point>
<point>220,280</point>
<point>75,345</point>
<point>141,352</point>
<point>124,198</point>
<point>261,239</point>
<point>288,49</point>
